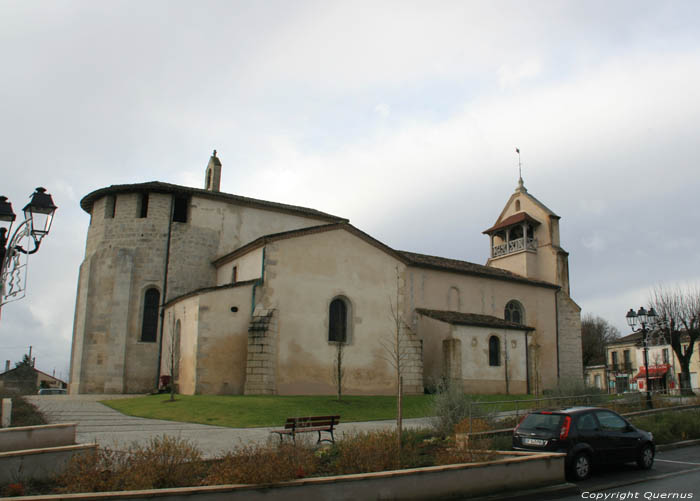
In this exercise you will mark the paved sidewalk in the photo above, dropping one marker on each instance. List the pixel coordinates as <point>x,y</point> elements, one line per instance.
<point>110,428</point>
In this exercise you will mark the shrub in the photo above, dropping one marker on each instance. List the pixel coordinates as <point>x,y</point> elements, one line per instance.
<point>671,426</point>
<point>163,462</point>
<point>25,413</point>
<point>262,464</point>
<point>450,406</point>
<point>366,452</point>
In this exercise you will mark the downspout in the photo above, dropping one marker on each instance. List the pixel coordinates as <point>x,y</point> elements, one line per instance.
<point>556,316</point>
<point>165,289</point>
<point>505,351</point>
<point>259,281</point>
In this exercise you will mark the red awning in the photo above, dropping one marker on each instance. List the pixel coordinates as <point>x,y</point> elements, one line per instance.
<point>655,372</point>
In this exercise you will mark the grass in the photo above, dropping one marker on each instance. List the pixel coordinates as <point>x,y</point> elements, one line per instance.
<point>248,411</point>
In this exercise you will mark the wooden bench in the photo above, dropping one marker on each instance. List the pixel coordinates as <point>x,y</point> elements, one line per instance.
<point>308,424</point>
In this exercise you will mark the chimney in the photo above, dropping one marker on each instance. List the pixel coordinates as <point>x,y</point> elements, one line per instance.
<point>212,179</point>
<point>7,365</point>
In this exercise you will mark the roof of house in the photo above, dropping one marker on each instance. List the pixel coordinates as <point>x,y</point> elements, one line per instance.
<point>160,187</point>
<point>408,258</point>
<point>511,220</point>
<point>472,319</point>
<point>2,374</point>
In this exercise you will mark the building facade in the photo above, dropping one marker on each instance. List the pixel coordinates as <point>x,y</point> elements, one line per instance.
<point>228,295</point>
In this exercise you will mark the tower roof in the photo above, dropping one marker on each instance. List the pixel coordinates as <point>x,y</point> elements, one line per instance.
<point>160,187</point>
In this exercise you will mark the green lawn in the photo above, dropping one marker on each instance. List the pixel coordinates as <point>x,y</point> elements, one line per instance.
<point>249,411</point>
<point>239,411</point>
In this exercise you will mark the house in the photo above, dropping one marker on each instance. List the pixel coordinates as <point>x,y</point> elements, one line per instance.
<point>626,368</point>
<point>26,380</point>
<point>233,295</point>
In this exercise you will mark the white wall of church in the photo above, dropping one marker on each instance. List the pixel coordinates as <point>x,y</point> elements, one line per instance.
<point>486,296</point>
<point>478,376</point>
<point>302,277</point>
<point>248,267</point>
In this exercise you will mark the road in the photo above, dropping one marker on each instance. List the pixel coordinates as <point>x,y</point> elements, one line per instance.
<point>675,475</point>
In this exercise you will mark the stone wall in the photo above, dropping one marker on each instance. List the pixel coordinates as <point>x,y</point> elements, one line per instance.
<point>570,357</point>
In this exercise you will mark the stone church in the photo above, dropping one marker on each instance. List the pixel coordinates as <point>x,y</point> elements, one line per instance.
<point>233,295</point>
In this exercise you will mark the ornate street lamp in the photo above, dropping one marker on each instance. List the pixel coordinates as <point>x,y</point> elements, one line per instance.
<point>643,317</point>
<point>38,216</point>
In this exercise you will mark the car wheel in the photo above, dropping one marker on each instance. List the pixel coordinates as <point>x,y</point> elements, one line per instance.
<point>581,466</point>
<point>646,457</point>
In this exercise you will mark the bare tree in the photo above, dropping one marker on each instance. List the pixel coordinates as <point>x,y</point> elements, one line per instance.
<point>338,369</point>
<point>678,313</point>
<point>396,346</point>
<point>596,332</point>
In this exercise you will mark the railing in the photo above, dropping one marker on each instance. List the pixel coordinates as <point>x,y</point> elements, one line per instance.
<point>519,244</point>
<point>621,367</point>
<point>509,412</point>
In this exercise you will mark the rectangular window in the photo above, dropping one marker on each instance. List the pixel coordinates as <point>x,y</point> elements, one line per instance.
<point>181,204</point>
<point>143,205</point>
<point>665,355</point>
<point>110,206</point>
<point>234,275</point>
<point>614,358</point>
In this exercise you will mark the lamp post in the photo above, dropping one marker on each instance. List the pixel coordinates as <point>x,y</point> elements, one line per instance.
<point>38,216</point>
<point>642,317</point>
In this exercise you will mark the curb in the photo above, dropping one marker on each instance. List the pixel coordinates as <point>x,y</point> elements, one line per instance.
<point>677,445</point>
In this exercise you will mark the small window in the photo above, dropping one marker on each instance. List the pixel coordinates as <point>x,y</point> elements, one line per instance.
<point>143,205</point>
<point>234,275</point>
<point>149,327</point>
<point>514,312</point>
<point>181,204</point>
<point>587,422</point>
<point>110,206</point>
<point>517,205</point>
<point>494,351</point>
<point>610,422</point>
<point>338,321</point>
<point>208,180</point>
<point>665,355</point>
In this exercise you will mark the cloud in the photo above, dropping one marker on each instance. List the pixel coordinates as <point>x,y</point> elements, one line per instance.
<point>382,109</point>
<point>399,115</point>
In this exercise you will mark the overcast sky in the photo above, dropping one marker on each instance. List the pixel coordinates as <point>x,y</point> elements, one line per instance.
<point>401,116</point>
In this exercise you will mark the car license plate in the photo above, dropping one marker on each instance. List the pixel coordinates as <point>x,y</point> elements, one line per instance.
<point>534,441</point>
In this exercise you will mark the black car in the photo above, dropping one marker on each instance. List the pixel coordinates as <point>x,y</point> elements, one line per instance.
<point>588,435</point>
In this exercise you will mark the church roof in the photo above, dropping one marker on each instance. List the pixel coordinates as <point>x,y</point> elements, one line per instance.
<point>408,258</point>
<point>514,219</point>
<point>160,187</point>
<point>467,268</point>
<point>472,319</point>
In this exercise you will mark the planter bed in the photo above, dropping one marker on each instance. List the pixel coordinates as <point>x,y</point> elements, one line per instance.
<point>511,471</point>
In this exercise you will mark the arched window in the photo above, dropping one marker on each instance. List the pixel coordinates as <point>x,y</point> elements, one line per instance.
<point>514,312</point>
<point>149,327</point>
<point>338,321</point>
<point>517,205</point>
<point>494,351</point>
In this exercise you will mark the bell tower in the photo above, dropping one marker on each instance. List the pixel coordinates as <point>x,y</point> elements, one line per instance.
<point>525,240</point>
<point>212,178</point>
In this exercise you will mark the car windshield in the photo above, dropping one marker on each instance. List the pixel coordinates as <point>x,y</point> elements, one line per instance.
<point>550,422</point>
